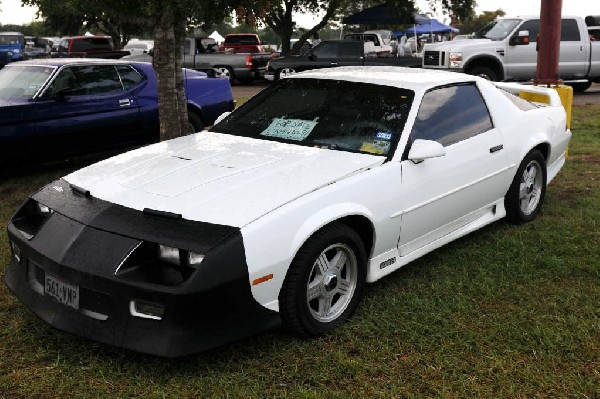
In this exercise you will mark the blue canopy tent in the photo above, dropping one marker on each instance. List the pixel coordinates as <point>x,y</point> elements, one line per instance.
<point>433,26</point>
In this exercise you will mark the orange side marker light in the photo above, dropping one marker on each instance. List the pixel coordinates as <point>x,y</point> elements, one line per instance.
<point>262,279</point>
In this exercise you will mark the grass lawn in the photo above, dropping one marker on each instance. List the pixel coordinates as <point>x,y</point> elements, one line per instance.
<point>506,312</point>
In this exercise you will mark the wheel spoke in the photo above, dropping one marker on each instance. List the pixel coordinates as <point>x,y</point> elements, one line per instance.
<point>523,190</point>
<point>313,292</point>
<point>344,287</point>
<point>323,263</point>
<point>325,306</point>
<point>532,173</point>
<point>339,260</point>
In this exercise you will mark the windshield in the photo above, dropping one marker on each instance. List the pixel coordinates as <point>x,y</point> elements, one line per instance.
<point>498,29</point>
<point>241,39</point>
<point>138,46</point>
<point>333,114</point>
<point>21,81</point>
<point>12,39</point>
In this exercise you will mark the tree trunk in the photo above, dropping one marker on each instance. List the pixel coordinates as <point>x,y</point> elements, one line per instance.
<point>167,69</point>
<point>180,31</point>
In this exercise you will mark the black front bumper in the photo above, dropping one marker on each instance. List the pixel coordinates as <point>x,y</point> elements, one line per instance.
<point>214,306</point>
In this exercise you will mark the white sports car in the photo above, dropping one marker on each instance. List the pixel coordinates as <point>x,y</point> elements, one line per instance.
<point>281,212</point>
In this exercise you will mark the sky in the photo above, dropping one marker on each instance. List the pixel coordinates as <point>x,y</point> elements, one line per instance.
<point>11,11</point>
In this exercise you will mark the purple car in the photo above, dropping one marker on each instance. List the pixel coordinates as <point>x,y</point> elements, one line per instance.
<point>60,107</point>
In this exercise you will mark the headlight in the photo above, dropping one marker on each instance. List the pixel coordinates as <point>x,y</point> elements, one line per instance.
<point>455,59</point>
<point>9,53</point>
<point>44,210</point>
<point>31,217</point>
<point>159,264</point>
<point>179,257</point>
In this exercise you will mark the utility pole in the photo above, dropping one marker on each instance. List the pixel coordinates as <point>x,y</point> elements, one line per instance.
<point>548,45</point>
<point>548,42</point>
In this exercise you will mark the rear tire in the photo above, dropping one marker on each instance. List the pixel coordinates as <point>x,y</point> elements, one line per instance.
<point>225,72</point>
<point>324,283</point>
<point>580,87</point>
<point>195,121</point>
<point>285,72</point>
<point>484,72</point>
<point>525,196</point>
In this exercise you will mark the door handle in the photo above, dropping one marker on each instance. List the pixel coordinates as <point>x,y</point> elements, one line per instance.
<point>124,102</point>
<point>334,64</point>
<point>496,148</point>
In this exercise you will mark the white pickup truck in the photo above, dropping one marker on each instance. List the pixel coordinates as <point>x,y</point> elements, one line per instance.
<point>505,50</point>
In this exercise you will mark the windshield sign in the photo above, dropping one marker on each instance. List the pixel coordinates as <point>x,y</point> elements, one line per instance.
<point>333,114</point>
<point>21,81</point>
<point>498,29</point>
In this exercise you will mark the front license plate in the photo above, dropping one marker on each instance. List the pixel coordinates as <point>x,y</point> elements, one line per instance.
<point>61,291</point>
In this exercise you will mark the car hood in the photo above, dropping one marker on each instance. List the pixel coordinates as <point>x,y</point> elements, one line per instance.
<point>217,178</point>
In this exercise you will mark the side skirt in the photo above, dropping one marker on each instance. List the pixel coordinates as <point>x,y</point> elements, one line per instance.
<point>495,211</point>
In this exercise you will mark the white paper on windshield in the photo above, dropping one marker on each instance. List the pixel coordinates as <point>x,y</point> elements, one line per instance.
<point>290,129</point>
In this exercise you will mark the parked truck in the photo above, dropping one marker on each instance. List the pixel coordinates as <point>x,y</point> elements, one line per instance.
<point>201,54</point>
<point>242,43</point>
<point>334,53</point>
<point>505,50</point>
<point>373,42</point>
<point>88,47</point>
<point>11,47</point>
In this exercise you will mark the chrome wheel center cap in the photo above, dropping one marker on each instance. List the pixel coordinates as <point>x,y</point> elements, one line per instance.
<point>330,282</point>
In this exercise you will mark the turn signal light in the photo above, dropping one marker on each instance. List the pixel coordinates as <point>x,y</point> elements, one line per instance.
<point>262,279</point>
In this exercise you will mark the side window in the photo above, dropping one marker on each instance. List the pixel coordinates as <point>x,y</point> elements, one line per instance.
<point>569,32</point>
<point>86,80</point>
<point>63,46</point>
<point>533,26</point>
<point>325,50</point>
<point>350,50</point>
<point>451,114</point>
<point>129,76</point>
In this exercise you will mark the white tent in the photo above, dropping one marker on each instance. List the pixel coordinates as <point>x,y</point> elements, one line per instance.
<point>217,37</point>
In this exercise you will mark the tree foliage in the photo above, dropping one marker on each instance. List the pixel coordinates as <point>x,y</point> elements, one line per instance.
<point>459,10</point>
<point>280,17</point>
<point>479,21</point>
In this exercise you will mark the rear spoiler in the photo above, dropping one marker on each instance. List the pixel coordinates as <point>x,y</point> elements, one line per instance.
<point>538,94</point>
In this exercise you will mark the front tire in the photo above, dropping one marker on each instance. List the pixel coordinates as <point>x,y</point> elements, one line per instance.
<point>324,283</point>
<point>528,189</point>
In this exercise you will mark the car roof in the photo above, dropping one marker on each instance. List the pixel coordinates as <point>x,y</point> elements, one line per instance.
<point>415,79</point>
<point>58,62</point>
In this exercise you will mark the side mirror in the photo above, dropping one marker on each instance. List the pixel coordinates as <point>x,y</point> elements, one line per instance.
<point>222,116</point>
<point>425,149</point>
<point>151,52</point>
<point>522,38</point>
<point>312,57</point>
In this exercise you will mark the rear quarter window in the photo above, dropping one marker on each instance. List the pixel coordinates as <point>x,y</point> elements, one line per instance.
<point>522,104</point>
